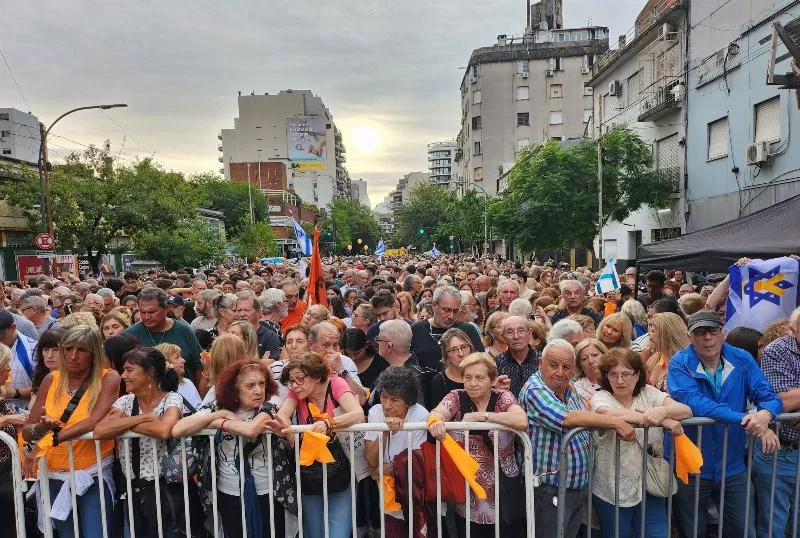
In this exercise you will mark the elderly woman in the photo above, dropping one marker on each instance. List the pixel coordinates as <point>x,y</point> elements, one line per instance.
<point>70,403</point>
<point>479,402</point>
<point>589,353</point>
<point>240,412</point>
<point>224,309</point>
<point>455,346</point>
<point>399,394</point>
<point>309,382</point>
<point>9,421</point>
<point>615,330</point>
<point>493,334</point>
<point>151,408</point>
<point>638,315</point>
<point>667,335</point>
<point>627,395</point>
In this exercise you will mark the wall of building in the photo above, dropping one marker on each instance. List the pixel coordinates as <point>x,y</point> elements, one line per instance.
<point>727,81</point>
<point>19,135</point>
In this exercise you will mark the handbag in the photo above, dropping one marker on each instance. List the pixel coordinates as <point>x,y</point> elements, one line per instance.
<point>454,490</point>
<point>172,460</point>
<point>658,475</point>
<point>338,472</point>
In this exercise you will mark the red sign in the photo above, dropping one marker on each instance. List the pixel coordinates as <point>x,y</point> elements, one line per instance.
<point>28,266</point>
<point>45,241</point>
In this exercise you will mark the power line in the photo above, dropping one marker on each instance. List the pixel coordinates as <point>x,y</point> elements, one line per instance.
<point>30,108</point>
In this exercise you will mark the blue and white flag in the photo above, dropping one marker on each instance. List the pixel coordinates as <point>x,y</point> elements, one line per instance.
<point>762,291</point>
<point>608,280</point>
<point>433,252</point>
<point>380,248</point>
<point>303,240</point>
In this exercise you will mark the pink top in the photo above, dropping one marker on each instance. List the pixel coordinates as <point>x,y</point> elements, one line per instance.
<point>338,387</point>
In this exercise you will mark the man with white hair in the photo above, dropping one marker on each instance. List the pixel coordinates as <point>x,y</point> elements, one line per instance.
<point>520,361</point>
<point>109,299</point>
<point>324,338</point>
<point>520,307</point>
<point>566,329</point>
<point>394,345</point>
<point>273,309</point>
<point>554,407</point>
<point>574,296</point>
<point>34,308</point>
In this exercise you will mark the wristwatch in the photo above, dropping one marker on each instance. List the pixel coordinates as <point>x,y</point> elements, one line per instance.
<point>486,416</point>
<point>343,374</point>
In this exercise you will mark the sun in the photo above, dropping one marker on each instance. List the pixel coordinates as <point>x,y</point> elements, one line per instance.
<point>366,138</point>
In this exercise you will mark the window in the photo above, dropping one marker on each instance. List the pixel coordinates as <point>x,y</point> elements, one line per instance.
<point>588,90</point>
<point>633,88</point>
<point>4,134</point>
<point>523,93</point>
<point>718,139</point>
<point>523,118</point>
<point>556,117</point>
<point>476,97</point>
<point>5,117</point>
<point>522,143</point>
<point>555,64</point>
<point>476,148</point>
<point>555,91</point>
<point>476,70</point>
<point>522,66</point>
<point>476,123</point>
<point>587,115</point>
<point>768,124</point>
<point>478,173</point>
<point>6,151</point>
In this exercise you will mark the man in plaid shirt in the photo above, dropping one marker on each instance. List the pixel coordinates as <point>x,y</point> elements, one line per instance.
<point>781,366</point>
<point>554,407</point>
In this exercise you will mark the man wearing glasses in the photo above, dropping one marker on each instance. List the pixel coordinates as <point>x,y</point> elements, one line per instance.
<point>427,334</point>
<point>716,380</point>
<point>519,361</point>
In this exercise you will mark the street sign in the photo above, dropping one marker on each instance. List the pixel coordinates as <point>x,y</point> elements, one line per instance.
<point>45,241</point>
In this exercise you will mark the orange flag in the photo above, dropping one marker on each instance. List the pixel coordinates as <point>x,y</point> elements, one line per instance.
<point>315,448</point>
<point>688,458</point>
<point>316,292</point>
<point>390,503</point>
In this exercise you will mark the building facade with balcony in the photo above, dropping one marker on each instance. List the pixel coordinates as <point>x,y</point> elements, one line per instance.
<point>641,83</point>
<point>19,136</point>
<point>441,163</point>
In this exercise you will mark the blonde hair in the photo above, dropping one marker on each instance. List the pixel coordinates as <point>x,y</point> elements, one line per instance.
<point>168,350</point>
<point>412,309</point>
<point>627,328</point>
<point>583,344</point>
<point>671,337</point>
<point>86,338</point>
<point>481,357</point>
<point>249,336</point>
<point>5,355</point>
<point>79,318</point>
<point>226,349</point>
<point>492,323</point>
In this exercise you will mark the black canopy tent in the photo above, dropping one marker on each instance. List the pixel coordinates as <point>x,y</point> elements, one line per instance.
<point>769,233</point>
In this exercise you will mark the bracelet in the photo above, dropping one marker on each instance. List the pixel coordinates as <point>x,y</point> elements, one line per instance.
<point>222,425</point>
<point>55,438</point>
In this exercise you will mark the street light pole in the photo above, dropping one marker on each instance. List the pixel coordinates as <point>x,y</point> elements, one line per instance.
<point>44,179</point>
<point>485,210</point>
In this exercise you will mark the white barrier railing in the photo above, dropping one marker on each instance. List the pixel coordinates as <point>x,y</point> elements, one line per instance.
<point>124,443</point>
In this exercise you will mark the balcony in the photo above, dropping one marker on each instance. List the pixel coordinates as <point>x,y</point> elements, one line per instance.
<point>674,176</point>
<point>219,136</point>
<point>662,101</point>
<point>220,159</point>
<point>219,148</point>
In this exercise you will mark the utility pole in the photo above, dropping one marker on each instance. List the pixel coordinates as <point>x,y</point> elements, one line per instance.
<point>600,182</point>
<point>250,194</point>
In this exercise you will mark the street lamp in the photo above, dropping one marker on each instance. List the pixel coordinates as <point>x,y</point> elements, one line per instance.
<point>465,184</point>
<point>44,180</point>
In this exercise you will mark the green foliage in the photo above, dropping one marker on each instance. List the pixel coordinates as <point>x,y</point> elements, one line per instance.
<point>350,221</point>
<point>256,241</point>
<point>95,202</point>
<point>552,199</point>
<point>192,243</point>
<point>233,199</point>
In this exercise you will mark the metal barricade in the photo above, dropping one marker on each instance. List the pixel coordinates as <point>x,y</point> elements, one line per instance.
<point>124,443</point>
<point>765,506</point>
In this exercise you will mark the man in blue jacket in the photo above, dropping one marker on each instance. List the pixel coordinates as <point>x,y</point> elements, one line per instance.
<point>716,380</point>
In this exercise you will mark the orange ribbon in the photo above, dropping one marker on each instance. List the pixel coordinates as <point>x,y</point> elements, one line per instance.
<point>464,461</point>
<point>315,448</point>
<point>316,414</point>
<point>688,458</point>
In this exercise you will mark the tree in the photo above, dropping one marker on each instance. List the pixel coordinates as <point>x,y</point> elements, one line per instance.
<point>96,202</point>
<point>349,221</point>
<point>233,199</point>
<point>552,199</point>
<point>256,241</point>
<point>464,221</point>
<point>424,219</point>
<point>192,243</point>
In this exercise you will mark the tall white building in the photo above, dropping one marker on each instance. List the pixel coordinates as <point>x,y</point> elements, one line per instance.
<point>19,135</point>
<point>440,160</point>
<point>358,192</point>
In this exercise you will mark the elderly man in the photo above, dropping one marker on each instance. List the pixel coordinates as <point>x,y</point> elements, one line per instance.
<point>363,317</point>
<point>781,366</point>
<point>428,333</point>
<point>566,329</point>
<point>295,307</point>
<point>273,309</point>
<point>34,308</point>
<point>554,407</point>
<point>324,338</point>
<point>109,299</point>
<point>95,302</point>
<point>350,279</point>
<point>314,314</point>
<point>520,307</point>
<point>482,283</point>
<point>520,361</point>
<point>394,345</point>
<point>574,295</point>
<point>157,328</point>
<point>717,380</point>
<point>205,319</point>
<point>508,292</point>
<point>57,297</point>
<point>248,308</point>
<point>23,361</point>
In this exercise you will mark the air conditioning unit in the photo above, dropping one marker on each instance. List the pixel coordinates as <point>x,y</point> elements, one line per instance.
<point>473,80</point>
<point>549,73</point>
<point>758,153</point>
<point>585,70</point>
<point>525,74</point>
<point>615,88</point>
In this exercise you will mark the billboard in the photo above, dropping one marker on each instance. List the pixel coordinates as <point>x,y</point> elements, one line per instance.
<point>307,143</point>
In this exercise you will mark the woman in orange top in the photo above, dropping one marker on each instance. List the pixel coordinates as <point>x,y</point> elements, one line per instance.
<point>82,372</point>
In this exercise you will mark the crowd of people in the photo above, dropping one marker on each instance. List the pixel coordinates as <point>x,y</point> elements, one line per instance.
<point>527,346</point>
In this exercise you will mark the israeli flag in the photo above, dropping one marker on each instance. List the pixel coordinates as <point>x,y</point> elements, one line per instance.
<point>608,280</point>
<point>380,248</point>
<point>433,253</point>
<point>303,240</point>
<point>762,291</point>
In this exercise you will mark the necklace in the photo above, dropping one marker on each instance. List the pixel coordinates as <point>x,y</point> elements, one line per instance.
<point>153,340</point>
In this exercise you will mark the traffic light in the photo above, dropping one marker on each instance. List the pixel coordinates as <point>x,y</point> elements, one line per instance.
<point>328,234</point>
<point>421,231</point>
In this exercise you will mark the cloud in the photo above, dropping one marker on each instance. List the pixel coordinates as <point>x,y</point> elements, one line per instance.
<point>391,65</point>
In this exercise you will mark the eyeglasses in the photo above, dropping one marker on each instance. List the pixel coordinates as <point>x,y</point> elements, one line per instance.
<point>459,350</point>
<point>624,376</point>
<point>515,332</point>
<point>702,331</point>
<point>299,380</point>
<point>384,340</point>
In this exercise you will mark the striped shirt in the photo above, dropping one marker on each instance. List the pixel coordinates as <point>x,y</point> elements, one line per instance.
<point>781,366</point>
<point>546,413</point>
